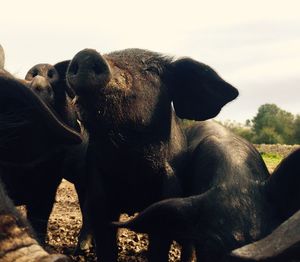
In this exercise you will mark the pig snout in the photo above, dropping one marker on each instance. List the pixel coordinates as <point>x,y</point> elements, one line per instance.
<point>88,70</point>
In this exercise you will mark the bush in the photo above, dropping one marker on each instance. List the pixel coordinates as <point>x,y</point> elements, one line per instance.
<point>268,136</point>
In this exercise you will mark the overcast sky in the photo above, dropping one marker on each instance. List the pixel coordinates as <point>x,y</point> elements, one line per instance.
<point>254,45</point>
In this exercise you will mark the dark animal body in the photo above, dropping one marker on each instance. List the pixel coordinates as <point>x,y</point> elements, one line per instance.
<point>22,114</point>
<point>230,201</point>
<point>32,156</point>
<point>137,151</point>
<point>283,243</point>
<point>283,186</point>
<point>49,83</point>
<point>225,204</point>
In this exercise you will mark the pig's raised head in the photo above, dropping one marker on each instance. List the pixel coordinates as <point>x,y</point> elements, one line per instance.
<point>138,86</point>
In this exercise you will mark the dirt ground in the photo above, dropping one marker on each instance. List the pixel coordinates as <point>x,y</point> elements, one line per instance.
<point>65,223</point>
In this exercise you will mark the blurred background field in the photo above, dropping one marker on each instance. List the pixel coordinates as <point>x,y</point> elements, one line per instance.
<point>273,154</point>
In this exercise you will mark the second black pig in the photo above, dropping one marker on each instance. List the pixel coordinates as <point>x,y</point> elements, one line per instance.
<point>49,83</point>
<point>33,179</point>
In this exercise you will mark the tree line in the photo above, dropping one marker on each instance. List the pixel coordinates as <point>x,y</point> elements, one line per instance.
<point>271,125</point>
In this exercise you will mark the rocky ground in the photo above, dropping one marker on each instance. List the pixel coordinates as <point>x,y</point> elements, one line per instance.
<point>65,223</point>
<point>282,150</point>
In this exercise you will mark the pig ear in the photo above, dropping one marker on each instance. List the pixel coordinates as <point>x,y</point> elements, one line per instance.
<point>197,91</point>
<point>62,68</point>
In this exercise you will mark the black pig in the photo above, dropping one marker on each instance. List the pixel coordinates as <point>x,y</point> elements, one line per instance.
<point>24,116</point>
<point>283,186</point>
<point>231,202</point>
<point>17,238</point>
<point>33,147</point>
<point>281,245</point>
<point>48,82</point>
<point>283,192</point>
<point>225,205</point>
<point>137,151</point>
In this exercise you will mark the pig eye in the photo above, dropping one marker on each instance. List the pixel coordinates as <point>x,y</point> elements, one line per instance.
<point>97,69</point>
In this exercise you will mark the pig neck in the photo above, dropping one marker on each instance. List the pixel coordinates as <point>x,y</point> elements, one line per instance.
<point>163,142</point>
<point>165,137</point>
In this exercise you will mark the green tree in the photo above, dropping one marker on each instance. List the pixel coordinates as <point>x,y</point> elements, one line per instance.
<point>273,125</point>
<point>267,135</point>
<point>244,131</point>
<point>297,130</point>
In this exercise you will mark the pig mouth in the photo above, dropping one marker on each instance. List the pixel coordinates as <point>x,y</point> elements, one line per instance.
<point>115,92</point>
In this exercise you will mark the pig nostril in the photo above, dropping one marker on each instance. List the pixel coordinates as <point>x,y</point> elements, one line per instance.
<point>50,73</point>
<point>97,69</point>
<point>34,74</point>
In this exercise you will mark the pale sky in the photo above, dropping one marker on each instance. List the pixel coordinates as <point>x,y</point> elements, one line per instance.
<point>254,45</point>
